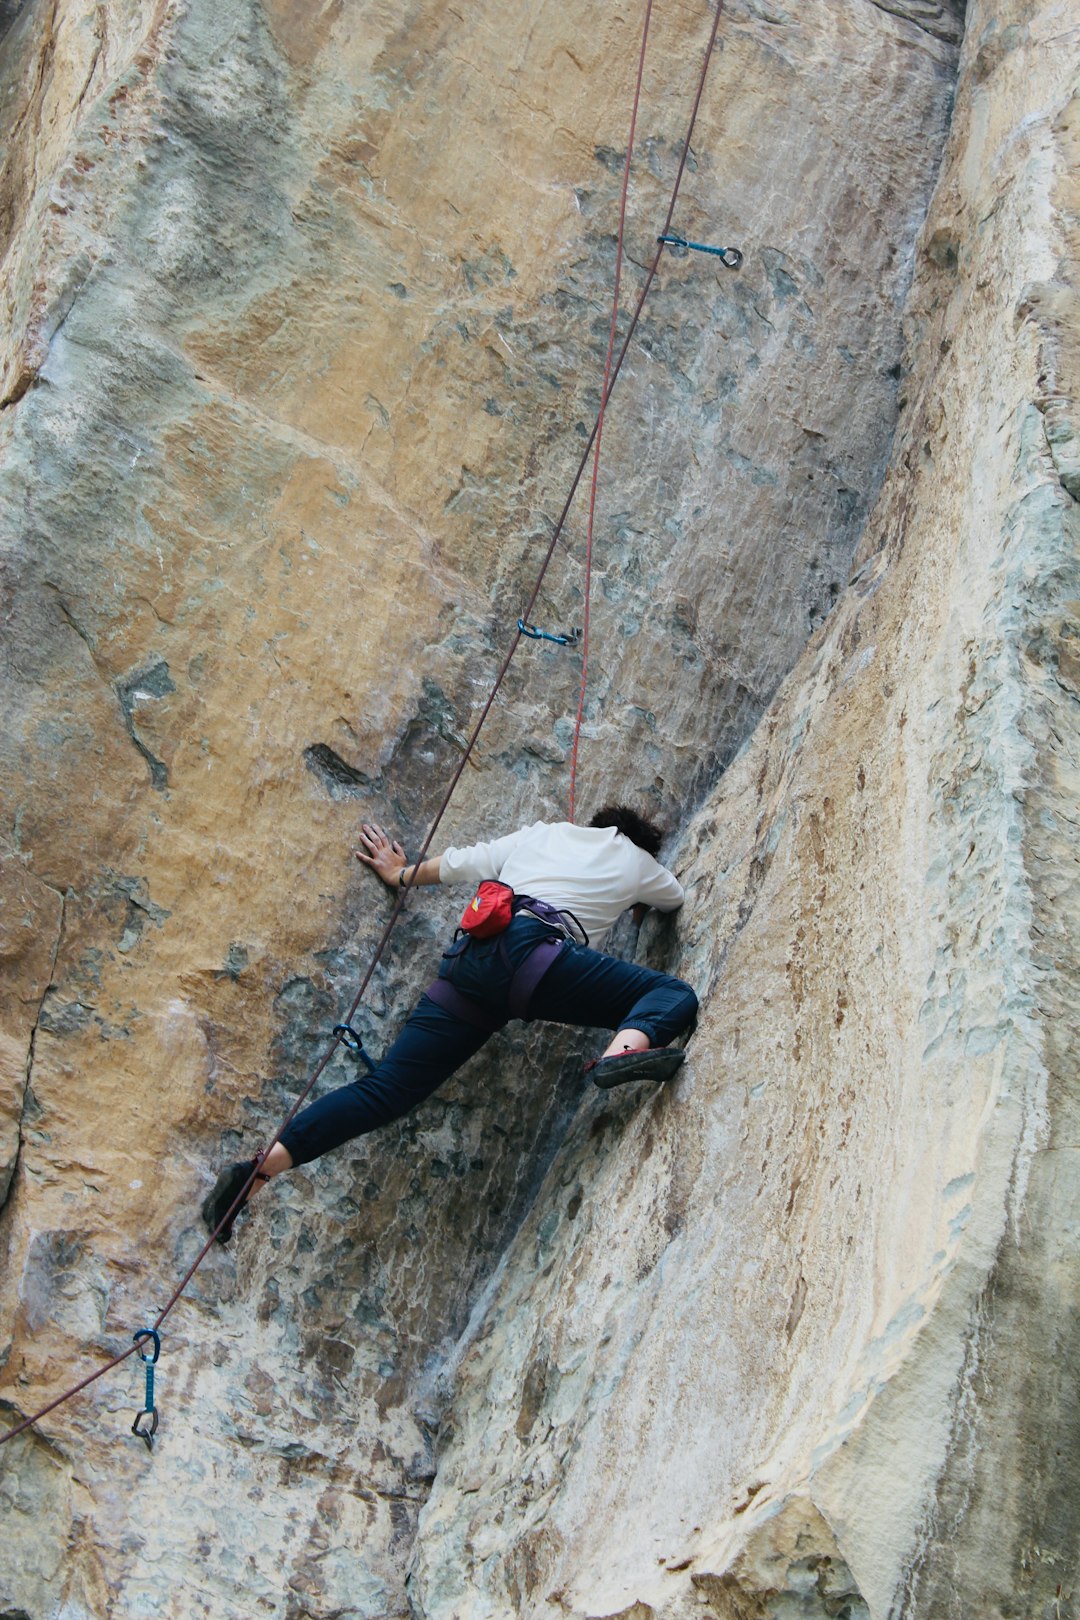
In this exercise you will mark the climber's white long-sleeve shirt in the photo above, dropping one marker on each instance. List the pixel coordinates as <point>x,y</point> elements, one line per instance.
<point>595,872</point>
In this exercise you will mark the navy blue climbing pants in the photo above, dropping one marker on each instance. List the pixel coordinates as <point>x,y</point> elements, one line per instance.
<point>581,987</point>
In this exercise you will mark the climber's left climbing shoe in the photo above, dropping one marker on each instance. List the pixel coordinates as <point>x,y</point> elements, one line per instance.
<point>224,1194</point>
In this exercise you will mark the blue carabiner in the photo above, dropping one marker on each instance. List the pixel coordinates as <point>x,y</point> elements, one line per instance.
<point>731,258</point>
<point>352,1043</point>
<point>148,1333</point>
<point>534,634</point>
<point>148,1410</point>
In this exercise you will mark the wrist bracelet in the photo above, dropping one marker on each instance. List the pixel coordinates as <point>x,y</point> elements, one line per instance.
<point>401,876</point>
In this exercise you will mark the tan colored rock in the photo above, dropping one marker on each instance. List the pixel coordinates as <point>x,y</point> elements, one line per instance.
<point>299,371</point>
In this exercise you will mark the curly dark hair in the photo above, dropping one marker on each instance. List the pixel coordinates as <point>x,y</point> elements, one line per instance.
<point>645,834</point>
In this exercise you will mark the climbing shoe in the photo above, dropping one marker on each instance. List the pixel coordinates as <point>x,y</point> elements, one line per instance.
<point>659,1063</point>
<point>224,1194</point>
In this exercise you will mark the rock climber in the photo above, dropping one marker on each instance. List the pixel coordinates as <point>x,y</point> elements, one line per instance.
<point>553,887</point>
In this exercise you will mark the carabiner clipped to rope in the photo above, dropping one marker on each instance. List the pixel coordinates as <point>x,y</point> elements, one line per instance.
<point>731,258</point>
<point>352,1043</point>
<point>534,634</point>
<point>148,1410</point>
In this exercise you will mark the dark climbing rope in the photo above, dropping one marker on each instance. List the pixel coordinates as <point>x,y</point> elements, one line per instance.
<point>402,894</point>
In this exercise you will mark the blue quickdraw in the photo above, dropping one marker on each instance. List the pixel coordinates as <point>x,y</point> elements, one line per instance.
<point>731,258</point>
<point>148,1410</point>
<point>352,1043</point>
<point>534,634</point>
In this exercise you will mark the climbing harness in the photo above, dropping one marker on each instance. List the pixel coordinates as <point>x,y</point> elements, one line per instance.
<point>569,640</point>
<point>523,980</point>
<point>611,375</point>
<point>730,257</point>
<point>149,1410</point>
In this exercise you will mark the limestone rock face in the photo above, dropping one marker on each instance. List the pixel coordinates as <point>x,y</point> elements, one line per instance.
<point>306,311</point>
<point>794,1336</point>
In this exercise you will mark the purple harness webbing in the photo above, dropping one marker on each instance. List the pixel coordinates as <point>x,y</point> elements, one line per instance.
<point>522,988</point>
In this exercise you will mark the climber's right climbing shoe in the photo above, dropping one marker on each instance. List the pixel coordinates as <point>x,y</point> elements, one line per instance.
<point>659,1063</point>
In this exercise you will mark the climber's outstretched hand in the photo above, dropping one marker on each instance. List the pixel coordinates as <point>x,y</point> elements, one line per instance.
<point>384,855</point>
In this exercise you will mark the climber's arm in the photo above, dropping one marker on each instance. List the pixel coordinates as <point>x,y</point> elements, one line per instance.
<point>387,860</point>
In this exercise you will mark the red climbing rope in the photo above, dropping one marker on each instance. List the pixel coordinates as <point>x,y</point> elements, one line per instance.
<point>600,415</point>
<point>611,376</point>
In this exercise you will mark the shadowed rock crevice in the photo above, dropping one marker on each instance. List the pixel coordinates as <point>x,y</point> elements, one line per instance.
<point>30,963</point>
<point>942,18</point>
<point>142,686</point>
<point>340,779</point>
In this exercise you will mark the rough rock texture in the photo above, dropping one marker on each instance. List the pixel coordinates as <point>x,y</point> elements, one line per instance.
<point>305,312</point>
<point>797,1335</point>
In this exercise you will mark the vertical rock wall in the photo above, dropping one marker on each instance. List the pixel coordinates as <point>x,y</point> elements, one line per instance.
<point>796,1335</point>
<point>306,317</point>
